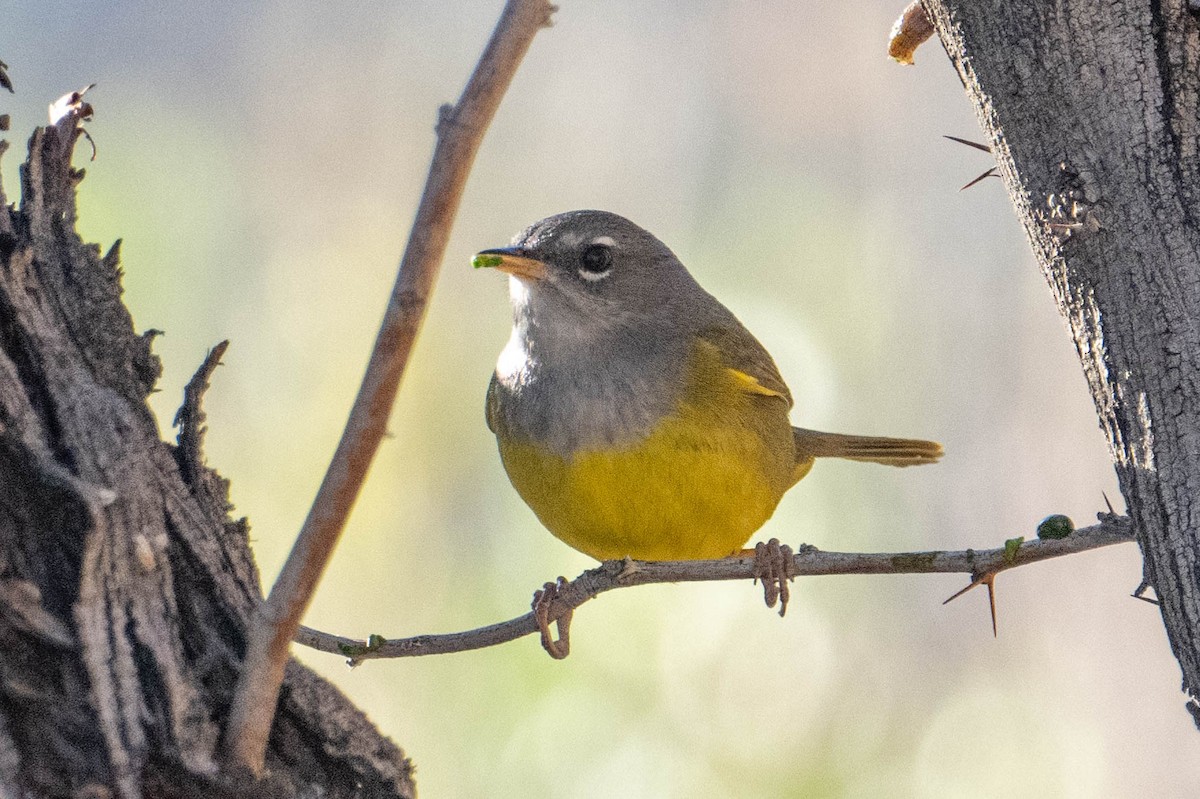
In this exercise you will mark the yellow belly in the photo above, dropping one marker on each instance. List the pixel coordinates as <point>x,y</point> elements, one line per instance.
<point>697,487</point>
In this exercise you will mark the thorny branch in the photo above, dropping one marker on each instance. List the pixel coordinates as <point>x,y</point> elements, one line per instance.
<point>460,130</point>
<point>809,561</point>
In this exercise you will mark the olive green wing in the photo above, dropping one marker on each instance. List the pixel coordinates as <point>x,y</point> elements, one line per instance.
<point>753,367</point>
<point>747,359</point>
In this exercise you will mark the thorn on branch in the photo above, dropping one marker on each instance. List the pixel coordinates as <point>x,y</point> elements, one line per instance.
<point>988,579</point>
<point>991,173</point>
<point>968,142</point>
<point>1140,592</point>
<point>1055,527</point>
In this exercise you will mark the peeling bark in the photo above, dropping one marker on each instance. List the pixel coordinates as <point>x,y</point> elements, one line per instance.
<point>1092,111</point>
<point>125,588</point>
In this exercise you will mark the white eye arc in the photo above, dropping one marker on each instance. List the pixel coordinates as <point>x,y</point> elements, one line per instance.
<point>594,277</point>
<point>597,259</point>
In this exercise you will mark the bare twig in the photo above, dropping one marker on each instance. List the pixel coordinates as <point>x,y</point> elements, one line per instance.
<point>460,130</point>
<point>808,562</point>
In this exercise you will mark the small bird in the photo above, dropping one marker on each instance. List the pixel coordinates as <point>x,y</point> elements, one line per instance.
<point>634,413</point>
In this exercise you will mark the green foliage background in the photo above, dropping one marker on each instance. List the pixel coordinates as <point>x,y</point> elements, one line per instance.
<point>262,162</point>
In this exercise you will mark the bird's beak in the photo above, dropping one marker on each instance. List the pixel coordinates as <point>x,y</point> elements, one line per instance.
<point>513,260</point>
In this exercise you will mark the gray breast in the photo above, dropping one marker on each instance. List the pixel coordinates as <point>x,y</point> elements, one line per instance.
<point>588,398</point>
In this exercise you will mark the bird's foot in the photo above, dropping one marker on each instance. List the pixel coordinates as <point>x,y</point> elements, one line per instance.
<point>774,566</point>
<point>543,602</point>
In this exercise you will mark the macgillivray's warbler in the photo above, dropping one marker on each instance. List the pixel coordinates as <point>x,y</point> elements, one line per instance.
<point>634,413</point>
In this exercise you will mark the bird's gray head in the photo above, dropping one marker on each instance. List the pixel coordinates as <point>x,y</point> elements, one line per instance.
<point>590,273</point>
<point>603,317</point>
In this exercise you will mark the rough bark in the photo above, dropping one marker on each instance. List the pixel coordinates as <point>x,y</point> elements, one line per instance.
<point>1091,109</point>
<point>125,587</point>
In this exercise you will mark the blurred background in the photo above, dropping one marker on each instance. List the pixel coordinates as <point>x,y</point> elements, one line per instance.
<point>262,162</point>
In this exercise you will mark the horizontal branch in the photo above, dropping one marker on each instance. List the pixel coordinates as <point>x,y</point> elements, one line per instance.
<point>810,561</point>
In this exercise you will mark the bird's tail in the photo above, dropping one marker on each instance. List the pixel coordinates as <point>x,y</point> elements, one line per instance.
<point>873,449</point>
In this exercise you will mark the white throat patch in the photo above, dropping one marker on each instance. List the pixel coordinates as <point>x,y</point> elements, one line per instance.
<point>510,366</point>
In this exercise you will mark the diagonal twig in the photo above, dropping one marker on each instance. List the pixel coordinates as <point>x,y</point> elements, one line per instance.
<point>460,130</point>
<point>808,562</point>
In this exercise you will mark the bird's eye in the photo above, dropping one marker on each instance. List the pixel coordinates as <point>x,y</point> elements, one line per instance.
<point>596,261</point>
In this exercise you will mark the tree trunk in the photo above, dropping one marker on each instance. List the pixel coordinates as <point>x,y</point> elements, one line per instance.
<point>125,587</point>
<point>1091,110</point>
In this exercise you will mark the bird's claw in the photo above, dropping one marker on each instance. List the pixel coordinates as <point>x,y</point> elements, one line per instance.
<point>773,564</point>
<point>543,601</point>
